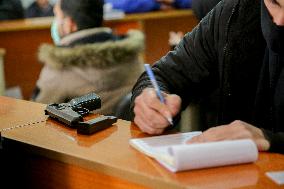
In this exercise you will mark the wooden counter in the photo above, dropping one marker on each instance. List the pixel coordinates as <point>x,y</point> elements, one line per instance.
<point>59,158</point>
<point>21,39</point>
<point>2,78</point>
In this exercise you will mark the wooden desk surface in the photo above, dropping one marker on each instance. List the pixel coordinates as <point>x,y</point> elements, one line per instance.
<point>109,153</point>
<point>45,22</point>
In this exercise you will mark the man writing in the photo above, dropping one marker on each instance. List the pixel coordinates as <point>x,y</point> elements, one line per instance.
<point>234,61</point>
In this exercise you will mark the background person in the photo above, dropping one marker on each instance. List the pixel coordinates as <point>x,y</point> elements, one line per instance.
<point>88,57</point>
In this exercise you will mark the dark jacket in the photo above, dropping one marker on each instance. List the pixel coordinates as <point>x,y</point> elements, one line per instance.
<point>35,11</point>
<point>202,7</point>
<point>11,9</point>
<point>218,64</point>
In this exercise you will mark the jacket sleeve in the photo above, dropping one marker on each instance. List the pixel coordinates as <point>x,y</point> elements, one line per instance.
<point>130,6</point>
<point>182,4</point>
<point>276,141</point>
<point>191,69</point>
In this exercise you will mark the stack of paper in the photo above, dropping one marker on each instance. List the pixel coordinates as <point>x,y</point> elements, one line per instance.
<point>172,152</point>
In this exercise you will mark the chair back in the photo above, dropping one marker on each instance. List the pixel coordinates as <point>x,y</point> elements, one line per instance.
<point>122,110</point>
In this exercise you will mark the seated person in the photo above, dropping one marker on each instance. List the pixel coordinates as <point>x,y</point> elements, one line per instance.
<point>88,57</point>
<point>233,61</point>
<point>39,8</point>
<point>133,6</point>
<point>11,9</point>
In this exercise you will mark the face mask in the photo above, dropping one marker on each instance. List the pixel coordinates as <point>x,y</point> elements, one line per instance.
<point>54,33</point>
<point>273,34</point>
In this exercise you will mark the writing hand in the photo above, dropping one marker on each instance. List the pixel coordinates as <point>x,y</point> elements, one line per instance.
<point>151,115</point>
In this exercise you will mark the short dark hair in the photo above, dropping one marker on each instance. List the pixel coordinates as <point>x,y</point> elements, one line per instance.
<point>86,13</point>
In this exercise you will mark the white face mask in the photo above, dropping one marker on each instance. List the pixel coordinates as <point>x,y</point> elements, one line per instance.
<point>55,33</point>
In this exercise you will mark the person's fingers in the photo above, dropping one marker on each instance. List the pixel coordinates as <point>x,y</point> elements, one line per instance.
<point>147,119</point>
<point>195,139</point>
<point>144,127</point>
<point>157,120</point>
<point>243,130</point>
<point>152,117</point>
<point>154,103</point>
<point>152,108</point>
<point>233,131</point>
<point>211,135</point>
<point>262,144</point>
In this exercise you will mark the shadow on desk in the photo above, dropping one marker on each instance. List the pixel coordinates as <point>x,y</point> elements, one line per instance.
<point>21,169</point>
<point>81,140</point>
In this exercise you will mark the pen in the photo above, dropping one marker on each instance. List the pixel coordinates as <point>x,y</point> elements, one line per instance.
<point>156,87</point>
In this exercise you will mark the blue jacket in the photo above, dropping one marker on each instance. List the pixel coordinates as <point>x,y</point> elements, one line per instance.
<point>131,6</point>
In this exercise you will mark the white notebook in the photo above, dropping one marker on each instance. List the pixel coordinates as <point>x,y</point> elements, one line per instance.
<point>172,152</point>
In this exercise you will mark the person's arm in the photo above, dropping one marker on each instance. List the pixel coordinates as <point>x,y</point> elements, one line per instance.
<point>130,6</point>
<point>190,71</point>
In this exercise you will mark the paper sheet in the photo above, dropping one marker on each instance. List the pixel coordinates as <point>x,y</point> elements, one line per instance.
<point>172,152</point>
<point>158,145</point>
<point>204,155</point>
<point>276,176</point>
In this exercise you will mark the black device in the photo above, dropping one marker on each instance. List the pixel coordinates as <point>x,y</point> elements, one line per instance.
<point>95,125</point>
<point>72,113</point>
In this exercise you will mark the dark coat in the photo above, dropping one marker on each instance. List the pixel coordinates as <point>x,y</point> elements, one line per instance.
<point>218,65</point>
<point>11,9</point>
